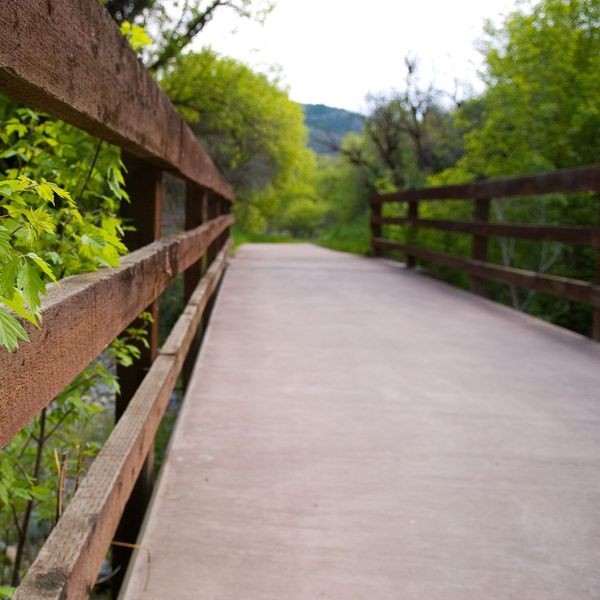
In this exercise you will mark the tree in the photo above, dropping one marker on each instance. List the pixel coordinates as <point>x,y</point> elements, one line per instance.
<point>174,25</point>
<point>252,130</point>
<point>408,135</point>
<point>541,110</point>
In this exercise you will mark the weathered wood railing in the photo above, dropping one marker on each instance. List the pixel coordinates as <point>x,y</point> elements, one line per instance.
<point>481,192</point>
<point>69,59</point>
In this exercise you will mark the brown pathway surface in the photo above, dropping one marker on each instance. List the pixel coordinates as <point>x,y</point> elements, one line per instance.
<point>354,431</point>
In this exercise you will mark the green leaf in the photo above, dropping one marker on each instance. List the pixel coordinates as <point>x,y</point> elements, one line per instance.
<point>59,191</point>
<point>7,591</point>
<point>21,493</point>
<point>137,36</point>
<point>11,331</point>
<point>44,191</point>
<point>19,128</point>
<point>40,220</point>
<point>17,304</point>
<point>31,284</point>
<point>9,186</point>
<point>54,257</point>
<point>113,182</point>
<point>5,247</point>
<point>8,277</point>
<point>42,264</point>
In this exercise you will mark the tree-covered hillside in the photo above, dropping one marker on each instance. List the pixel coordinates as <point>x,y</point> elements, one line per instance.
<point>328,126</point>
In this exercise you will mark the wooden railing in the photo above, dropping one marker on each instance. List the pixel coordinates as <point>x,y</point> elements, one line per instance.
<point>69,59</point>
<point>481,193</point>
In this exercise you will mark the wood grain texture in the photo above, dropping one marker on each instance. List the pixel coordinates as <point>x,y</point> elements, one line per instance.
<point>479,251</point>
<point>568,180</point>
<point>67,566</point>
<point>411,233</point>
<point>375,224</point>
<point>144,183</point>
<point>84,315</point>
<point>68,58</point>
<point>196,199</point>
<point>568,234</point>
<point>572,289</point>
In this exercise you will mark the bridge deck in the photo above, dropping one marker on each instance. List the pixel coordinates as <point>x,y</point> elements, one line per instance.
<point>356,431</point>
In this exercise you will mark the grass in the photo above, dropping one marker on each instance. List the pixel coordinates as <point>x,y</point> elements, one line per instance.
<point>347,237</point>
<point>241,236</point>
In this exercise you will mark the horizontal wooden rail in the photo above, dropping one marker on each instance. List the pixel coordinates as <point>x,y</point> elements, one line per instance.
<point>84,315</point>
<point>566,181</point>
<point>69,59</point>
<point>563,287</point>
<point>69,562</point>
<point>481,193</point>
<point>567,234</point>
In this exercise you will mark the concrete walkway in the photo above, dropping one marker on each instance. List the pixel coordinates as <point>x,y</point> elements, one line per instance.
<point>355,431</point>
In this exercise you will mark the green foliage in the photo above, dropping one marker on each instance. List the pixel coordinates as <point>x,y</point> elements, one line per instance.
<point>252,130</point>
<point>42,466</point>
<point>137,36</point>
<point>541,110</point>
<point>303,217</point>
<point>408,135</point>
<point>176,24</point>
<point>328,126</point>
<point>352,236</point>
<point>60,193</point>
<point>44,233</point>
<point>241,236</point>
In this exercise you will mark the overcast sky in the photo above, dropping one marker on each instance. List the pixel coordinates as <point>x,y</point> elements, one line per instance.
<point>336,51</point>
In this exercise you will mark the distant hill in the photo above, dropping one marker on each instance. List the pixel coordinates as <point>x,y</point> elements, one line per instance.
<point>328,126</point>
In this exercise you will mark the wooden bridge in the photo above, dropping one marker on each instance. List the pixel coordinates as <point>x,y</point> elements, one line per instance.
<point>352,429</point>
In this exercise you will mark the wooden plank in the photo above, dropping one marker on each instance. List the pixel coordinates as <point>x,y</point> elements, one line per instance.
<point>82,316</point>
<point>376,221</point>
<point>144,183</point>
<point>213,209</point>
<point>67,566</point>
<point>411,234</point>
<point>572,289</point>
<point>596,313</point>
<point>69,59</point>
<point>194,217</point>
<point>145,188</point>
<point>568,180</point>
<point>567,234</point>
<point>195,206</point>
<point>225,210</point>
<point>383,398</point>
<point>481,215</point>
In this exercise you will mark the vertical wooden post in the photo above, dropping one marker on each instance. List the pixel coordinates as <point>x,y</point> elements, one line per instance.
<point>411,233</point>
<point>375,226</point>
<point>596,310</point>
<point>481,214</point>
<point>144,185</point>
<point>213,208</point>
<point>225,210</point>
<point>194,216</point>
<point>195,203</point>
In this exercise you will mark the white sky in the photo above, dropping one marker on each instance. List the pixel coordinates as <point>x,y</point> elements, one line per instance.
<point>336,51</point>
